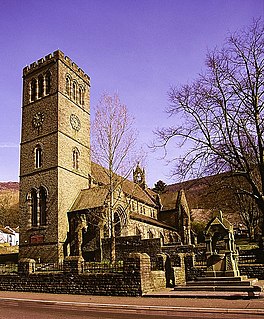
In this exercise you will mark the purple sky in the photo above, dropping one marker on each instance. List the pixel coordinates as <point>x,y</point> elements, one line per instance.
<point>138,48</point>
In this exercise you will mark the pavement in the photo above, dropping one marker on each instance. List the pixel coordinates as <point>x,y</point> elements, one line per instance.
<point>163,300</point>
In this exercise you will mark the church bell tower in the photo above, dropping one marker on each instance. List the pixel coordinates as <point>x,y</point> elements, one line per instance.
<point>55,153</point>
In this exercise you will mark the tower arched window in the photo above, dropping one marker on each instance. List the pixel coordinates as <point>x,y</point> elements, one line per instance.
<point>34,207</point>
<point>42,206</point>
<point>75,158</point>
<point>68,86</point>
<point>74,90</point>
<point>40,86</point>
<point>33,90</point>
<point>38,156</point>
<point>48,82</point>
<point>81,96</point>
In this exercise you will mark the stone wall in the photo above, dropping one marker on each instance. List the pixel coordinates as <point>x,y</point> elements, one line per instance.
<point>131,244</point>
<point>252,270</point>
<point>135,280</point>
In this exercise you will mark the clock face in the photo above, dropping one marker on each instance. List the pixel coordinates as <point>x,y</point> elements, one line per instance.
<point>75,122</point>
<point>37,120</point>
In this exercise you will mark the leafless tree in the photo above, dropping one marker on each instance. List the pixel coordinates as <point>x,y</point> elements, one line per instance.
<point>9,209</point>
<point>113,147</point>
<point>249,213</point>
<point>220,114</point>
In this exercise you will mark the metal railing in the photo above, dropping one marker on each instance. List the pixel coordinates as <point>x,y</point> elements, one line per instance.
<point>102,267</point>
<point>247,259</point>
<point>8,268</point>
<point>48,267</point>
<point>156,264</point>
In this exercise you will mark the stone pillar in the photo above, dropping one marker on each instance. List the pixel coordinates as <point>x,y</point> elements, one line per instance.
<point>73,265</point>
<point>138,266</point>
<point>26,266</point>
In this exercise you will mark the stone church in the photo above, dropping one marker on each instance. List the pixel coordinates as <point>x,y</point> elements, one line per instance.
<point>64,197</point>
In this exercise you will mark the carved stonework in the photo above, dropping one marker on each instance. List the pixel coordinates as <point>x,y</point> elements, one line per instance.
<point>221,249</point>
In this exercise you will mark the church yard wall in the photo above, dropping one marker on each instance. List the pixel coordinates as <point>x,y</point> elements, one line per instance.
<point>136,279</point>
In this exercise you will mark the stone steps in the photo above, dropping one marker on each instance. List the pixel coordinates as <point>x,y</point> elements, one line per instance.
<point>239,278</point>
<point>222,284</point>
<point>218,288</point>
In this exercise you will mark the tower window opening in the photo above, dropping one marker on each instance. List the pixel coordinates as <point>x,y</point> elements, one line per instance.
<point>38,156</point>
<point>42,206</point>
<point>75,158</point>
<point>34,207</point>
<point>48,82</point>
<point>40,86</point>
<point>81,96</point>
<point>33,90</point>
<point>68,86</point>
<point>74,86</point>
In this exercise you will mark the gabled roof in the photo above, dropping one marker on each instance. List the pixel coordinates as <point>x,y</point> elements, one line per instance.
<point>90,198</point>
<point>150,221</point>
<point>130,188</point>
<point>169,200</point>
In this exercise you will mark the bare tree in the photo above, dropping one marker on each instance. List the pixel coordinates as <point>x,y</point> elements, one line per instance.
<point>220,114</point>
<point>9,211</point>
<point>113,147</point>
<point>249,214</point>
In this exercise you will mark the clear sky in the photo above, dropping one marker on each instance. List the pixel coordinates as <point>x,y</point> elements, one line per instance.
<point>138,48</point>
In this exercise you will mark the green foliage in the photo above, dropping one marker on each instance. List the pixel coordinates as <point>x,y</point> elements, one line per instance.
<point>198,228</point>
<point>159,187</point>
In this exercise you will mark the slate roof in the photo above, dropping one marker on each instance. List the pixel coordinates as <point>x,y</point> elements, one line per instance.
<point>169,200</point>
<point>90,198</point>
<point>150,220</point>
<point>130,188</point>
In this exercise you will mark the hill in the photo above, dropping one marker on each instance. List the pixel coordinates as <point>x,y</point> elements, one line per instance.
<point>14,186</point>
<point>9,204</point>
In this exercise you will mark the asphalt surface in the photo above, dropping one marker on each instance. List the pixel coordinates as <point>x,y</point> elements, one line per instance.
<point>37,305</point>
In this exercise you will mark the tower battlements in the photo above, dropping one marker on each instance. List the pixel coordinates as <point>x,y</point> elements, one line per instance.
<point>56,55</point>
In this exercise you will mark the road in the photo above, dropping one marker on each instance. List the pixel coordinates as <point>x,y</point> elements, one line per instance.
<point>19,306</point>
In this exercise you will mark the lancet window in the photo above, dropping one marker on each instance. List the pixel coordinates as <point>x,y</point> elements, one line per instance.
<point>74,90</point>
<point>48,82</point>
<point>75,158</point>
<point>38,156</point>
<point>40,86</point>
<point>33,90</point>
<point>38,206</point>
<point>68,85</point>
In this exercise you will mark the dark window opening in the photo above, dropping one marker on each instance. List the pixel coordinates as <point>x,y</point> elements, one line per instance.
<point>34,207</point>
<point>33,90</point>
<point>42,205</point>
<point>40,86</point>
<point>48,82</point>
<point>38,157</point>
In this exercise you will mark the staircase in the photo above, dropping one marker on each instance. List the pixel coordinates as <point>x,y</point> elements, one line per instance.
<point>239,284</point>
